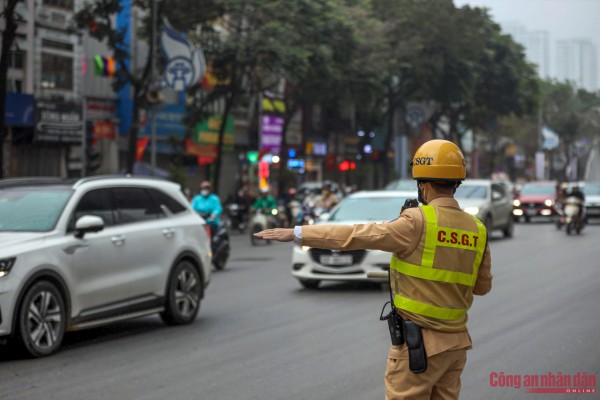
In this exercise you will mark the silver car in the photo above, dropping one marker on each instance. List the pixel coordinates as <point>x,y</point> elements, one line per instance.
<point>76,255</point>
<point>311,266</point>
<point>489,201</point>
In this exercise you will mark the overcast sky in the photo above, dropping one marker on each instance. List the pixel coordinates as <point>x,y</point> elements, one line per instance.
<point>563,19</point>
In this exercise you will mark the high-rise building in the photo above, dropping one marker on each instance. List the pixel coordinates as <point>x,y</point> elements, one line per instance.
<point>576,61</point>
<point>536,44</point>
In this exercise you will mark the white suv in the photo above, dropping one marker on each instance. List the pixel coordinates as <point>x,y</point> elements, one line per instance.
<point>102,249</point>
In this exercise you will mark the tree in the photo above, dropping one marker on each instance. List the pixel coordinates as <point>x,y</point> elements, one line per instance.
<point>97,19</point>
<point>262,44</point>
<point>11,21</point>
<point>570,112</point>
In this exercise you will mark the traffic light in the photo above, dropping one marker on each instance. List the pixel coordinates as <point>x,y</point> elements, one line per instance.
<point>347,165</point>
<point>92,154</point>
<point>252,157</point>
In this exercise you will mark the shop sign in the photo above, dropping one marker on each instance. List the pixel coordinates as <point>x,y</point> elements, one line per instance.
<point>105,130</point>
<point>19,110</point>
<point>207,131</point>
<point>271,130</point>
<point>58,121</point>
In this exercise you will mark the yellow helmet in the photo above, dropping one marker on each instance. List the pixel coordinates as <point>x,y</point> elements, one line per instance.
<point>440,160</point>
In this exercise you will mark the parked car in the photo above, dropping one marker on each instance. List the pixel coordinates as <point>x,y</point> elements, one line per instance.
<point>591,190</point>
<point>489,201</point>
<point>311,266</point>
<point>535,199</point>
<point>77,255</point>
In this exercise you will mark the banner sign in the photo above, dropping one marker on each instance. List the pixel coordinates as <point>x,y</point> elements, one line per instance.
<point>19,109</point>
<point>168,121</point>
<point>58,121</point>
<point>207,131</point>
<point>185,64</point>
<point>271,130</point>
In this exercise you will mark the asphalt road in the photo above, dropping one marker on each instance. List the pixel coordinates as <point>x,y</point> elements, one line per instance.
<point>260,336</point>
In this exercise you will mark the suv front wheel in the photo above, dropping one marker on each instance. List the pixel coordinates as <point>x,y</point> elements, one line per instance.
<point>184,294</point>
<point>41,319</point>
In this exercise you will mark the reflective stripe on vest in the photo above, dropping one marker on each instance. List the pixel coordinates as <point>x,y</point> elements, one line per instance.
<point>447,237</point>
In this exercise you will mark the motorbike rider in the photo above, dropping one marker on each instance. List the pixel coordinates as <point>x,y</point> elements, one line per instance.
<point>441,258</point>
<point>265,202</point>
<point>327,200</point>
<point>578,194</point>
<point>207,203</point>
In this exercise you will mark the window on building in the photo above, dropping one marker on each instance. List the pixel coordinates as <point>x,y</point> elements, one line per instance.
<point>17,59</point>
<point>57,72</point>
<point>14,85</point>
<point>67,4</point>
<point>53,44</point>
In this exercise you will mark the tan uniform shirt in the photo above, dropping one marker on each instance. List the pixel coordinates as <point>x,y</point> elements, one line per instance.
<point>401,237</point>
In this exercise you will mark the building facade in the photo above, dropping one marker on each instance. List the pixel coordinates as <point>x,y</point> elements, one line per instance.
<point>576,61</point>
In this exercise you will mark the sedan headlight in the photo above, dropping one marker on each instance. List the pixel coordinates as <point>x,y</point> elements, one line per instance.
<point>516,203</point>
<point>6,264</point>
<point>472,210</point>
<point>548,202</point>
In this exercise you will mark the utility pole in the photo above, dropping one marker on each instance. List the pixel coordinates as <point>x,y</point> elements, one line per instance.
<point>152,83</point>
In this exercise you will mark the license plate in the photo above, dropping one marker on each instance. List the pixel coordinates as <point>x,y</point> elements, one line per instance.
<point>532,212</point>
<point>336,260</point>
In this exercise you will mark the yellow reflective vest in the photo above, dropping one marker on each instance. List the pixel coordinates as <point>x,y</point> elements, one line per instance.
<point>433,286</point>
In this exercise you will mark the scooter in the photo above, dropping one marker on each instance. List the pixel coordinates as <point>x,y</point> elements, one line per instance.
<point>219,243</point>
<point>263,219</point>
<point>574,219</point>
<point>238,217</point>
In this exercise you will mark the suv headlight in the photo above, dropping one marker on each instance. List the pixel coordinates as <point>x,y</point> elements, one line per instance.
<point>6,264</point>
<point>548,202</point>
<point>472,210</point>
<point>516,203</point>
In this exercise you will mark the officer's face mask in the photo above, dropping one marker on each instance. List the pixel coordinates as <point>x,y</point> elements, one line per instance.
<point>205,192</point>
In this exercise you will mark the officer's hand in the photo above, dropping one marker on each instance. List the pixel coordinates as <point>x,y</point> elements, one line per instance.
<point>279,234</point>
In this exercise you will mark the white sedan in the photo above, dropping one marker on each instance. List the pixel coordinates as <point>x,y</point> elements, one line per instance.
<point>311,265</point>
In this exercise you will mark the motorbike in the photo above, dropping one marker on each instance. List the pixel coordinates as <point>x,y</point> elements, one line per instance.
<point>238,217</point>
<point>219,242</point>
<point>574,219</point>
<point>263,219</point>
<point>310,215</point>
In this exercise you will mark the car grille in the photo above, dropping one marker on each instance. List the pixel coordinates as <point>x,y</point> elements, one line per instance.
<point>357,255</point>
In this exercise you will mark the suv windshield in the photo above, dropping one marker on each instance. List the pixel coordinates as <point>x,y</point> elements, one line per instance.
<point>471,192</point>
<point>538,189</point>
<point>368,209</point>
<point>29,209</point>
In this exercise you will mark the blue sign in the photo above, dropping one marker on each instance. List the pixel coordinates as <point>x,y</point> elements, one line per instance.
<point>295,163</point>
<point>168,120</point>
<point>185,64</point>
<point>19,109</point>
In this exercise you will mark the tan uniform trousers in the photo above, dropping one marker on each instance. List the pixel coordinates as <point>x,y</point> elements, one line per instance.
<point>441,381</point>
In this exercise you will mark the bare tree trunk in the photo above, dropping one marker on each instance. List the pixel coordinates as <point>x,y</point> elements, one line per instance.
<point>133,131</point>
<point>8,37</point>
<point>229,102</point>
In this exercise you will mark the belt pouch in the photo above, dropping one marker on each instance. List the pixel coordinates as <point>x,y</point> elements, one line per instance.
<point>417,358</point>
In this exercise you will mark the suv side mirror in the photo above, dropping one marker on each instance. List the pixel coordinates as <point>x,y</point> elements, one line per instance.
<point>88,224</point>
<point>496,196</point>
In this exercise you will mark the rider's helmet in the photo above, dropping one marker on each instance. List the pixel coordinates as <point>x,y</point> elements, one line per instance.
<point>326,186</point>
<point>292,192</point>
<point>205,185</point>
<point>439,161</point>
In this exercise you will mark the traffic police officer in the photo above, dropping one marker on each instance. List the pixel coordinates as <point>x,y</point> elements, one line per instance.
<point>440,260</point>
